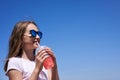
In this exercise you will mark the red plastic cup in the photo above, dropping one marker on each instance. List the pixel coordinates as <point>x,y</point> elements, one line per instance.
<point>48,63</point>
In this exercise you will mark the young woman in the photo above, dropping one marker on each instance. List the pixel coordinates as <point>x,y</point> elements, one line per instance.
<point>22,63</point>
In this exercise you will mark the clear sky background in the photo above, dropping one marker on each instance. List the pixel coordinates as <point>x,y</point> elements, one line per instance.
<point>84,34</point>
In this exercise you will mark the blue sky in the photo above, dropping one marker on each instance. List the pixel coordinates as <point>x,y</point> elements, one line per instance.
<point>84,34</point>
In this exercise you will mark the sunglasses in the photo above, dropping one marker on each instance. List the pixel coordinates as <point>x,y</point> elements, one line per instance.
<point>35,33</point>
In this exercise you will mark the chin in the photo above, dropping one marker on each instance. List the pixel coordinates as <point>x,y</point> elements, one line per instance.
<point>35,46</point>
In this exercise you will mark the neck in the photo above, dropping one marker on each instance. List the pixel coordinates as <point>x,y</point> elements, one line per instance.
<point>28,54</point>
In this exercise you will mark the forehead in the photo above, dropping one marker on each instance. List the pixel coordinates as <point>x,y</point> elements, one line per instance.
<point>31,27</point>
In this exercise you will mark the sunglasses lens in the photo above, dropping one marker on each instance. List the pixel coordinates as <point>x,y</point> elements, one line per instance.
<point>33,33</point>
<point>40,34</point>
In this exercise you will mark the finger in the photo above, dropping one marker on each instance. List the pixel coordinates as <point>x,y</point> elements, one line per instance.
<point>40,55</point>
<point>48,49</point>
<point>45,48</point>
<point>50,52</point>
<point>41,52</point>
<point>43,58</point>
<point>43,55</point>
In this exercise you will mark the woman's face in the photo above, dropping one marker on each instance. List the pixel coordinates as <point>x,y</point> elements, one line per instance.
<point>30,42</point>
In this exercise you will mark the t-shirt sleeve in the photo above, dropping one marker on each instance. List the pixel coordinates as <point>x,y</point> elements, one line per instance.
<point>14,63</point>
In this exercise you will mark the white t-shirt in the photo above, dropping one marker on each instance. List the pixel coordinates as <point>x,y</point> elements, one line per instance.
<point>26,67</point>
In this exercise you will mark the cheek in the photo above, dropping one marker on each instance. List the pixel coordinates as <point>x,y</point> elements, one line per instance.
<point>28,43</point>
<point>27,40</point>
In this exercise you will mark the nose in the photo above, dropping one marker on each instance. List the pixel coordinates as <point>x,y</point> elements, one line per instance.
<point>37,36</point>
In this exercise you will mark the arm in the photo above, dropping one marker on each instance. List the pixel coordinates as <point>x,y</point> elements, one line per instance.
<point>40,57</point>
<point>17,75</point>
<point>54,72</point>
<point>14,74</point>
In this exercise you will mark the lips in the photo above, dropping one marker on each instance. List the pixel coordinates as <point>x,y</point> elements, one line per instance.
<point>37,40</point>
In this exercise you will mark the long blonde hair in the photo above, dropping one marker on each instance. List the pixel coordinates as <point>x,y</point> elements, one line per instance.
<point>15,41</point>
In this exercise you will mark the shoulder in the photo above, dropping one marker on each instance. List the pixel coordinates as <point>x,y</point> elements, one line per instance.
<point>14,63</point>
<point>14,58</point>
